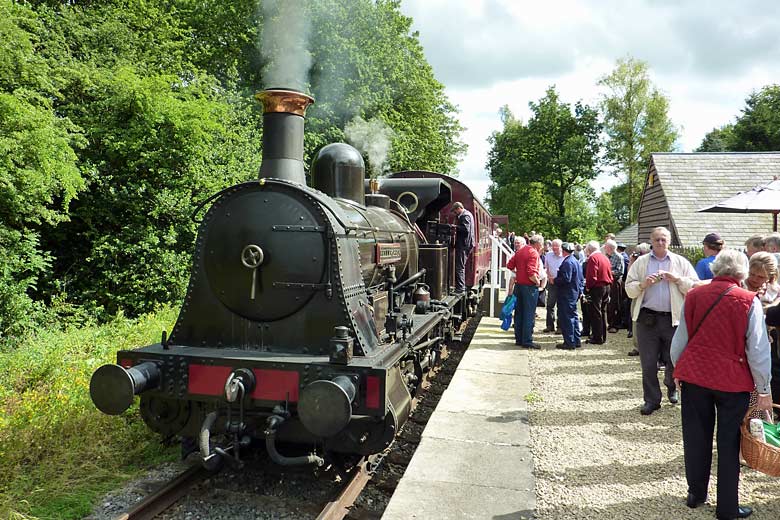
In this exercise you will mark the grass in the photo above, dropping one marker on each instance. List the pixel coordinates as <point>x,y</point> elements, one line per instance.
<point>58,454</point>
<point>532,397</point>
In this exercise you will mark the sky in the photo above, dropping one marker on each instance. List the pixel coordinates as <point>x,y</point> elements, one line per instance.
<point>706,56</point>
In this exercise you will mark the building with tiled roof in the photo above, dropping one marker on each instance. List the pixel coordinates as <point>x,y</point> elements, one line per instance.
<point>680,184</point>
<point>628,235</point>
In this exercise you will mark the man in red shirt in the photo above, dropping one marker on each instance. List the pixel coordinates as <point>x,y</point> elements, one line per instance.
<point>598,279</point>
<point>525,264</point>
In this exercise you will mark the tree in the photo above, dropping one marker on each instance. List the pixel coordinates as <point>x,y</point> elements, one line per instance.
<point>541,168</point>
<point>718,140</point>
<point>366,62</point>
<point>758,128</point>
<point>39,176</point>
<point>637,124</point>
<point>611,214</point>
<point>120,117</point>
<point>154,153</point>
<point>113,137</point>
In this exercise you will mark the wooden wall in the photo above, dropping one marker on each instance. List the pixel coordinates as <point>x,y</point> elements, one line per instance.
<point>654,209</point>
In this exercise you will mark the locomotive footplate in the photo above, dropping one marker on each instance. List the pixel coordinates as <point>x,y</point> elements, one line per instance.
<point>355,406</point>
<point>200,374</point>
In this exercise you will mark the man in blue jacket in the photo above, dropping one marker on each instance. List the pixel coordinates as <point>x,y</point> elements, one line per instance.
<point>570,284</point>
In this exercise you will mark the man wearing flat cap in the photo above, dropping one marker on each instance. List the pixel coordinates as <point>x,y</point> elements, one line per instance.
<point>464,243</point>
<point>569,282</point>
<point>712,246</point>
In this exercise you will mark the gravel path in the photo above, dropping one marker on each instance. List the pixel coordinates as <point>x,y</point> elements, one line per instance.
<point>596,457</point>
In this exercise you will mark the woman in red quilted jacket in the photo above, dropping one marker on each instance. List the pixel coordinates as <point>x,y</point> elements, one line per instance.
<point>721,353</point>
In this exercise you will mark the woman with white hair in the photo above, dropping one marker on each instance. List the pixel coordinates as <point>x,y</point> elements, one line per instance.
<point>721,353</point>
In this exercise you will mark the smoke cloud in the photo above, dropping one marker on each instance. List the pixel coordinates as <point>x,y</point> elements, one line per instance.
<point>374,139</point>
<point>285,44</point>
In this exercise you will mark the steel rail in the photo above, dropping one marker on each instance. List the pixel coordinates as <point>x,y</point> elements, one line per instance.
<point>339,508</point>
<point>166,496</point>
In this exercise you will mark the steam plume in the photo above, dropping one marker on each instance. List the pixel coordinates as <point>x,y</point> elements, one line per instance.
<point>374,139</point>
<point>285,44</point>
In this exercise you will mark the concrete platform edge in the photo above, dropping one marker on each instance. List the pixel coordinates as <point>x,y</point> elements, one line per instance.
<point>474,460</point>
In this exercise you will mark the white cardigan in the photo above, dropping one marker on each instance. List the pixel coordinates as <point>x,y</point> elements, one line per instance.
<point>680,267</point>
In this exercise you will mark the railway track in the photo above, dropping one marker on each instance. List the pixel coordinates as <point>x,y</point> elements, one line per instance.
<point>161,500</point>
<point>339,508</point>
<point>167,495</point>
<point>341,498</point>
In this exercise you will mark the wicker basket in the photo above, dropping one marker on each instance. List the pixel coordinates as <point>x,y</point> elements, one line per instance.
<point>759,455</point>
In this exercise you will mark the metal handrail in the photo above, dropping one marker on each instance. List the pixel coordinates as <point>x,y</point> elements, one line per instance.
<point>499,248</point>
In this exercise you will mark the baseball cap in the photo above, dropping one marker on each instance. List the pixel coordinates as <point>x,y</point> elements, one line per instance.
<point>712,238</point>
<point>567,246</point>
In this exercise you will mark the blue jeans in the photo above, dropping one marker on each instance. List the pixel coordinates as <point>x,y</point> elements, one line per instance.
<point>525,312</point>
<point>570,321</point>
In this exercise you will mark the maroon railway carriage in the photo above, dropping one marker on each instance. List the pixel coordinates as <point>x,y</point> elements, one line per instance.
<point>478,263</point>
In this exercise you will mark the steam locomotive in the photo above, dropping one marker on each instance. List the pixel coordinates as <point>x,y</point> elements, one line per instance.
<point>312,312</point>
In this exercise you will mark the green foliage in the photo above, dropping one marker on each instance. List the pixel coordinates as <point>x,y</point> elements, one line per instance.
<point>541,170</point>
<point>366,62</point>
<point>692,253</point>
<point>143,109</point>
<point>39,176</point>
<point>756,130</point>
<point>156,152</point>
<point>523,202</point>
<point>611,211</point>
<point>637,124</point>
<point>718,139</point>
<point>57,452</point>
<point>532,398</point>
<point>223,39</point>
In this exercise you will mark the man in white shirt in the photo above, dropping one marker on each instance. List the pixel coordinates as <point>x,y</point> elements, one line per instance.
<point>657,284</point>
<point>552,262</point>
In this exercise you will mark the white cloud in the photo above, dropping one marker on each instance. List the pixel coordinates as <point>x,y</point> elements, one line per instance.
<point>705,55</point>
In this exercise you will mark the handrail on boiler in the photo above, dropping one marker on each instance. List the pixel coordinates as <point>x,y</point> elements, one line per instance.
<point>499,247</point>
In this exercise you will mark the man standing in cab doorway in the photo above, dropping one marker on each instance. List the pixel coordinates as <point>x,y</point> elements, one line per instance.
<point>464,243</point>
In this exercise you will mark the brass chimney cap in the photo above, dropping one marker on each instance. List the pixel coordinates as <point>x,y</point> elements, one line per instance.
<point>283,100</point>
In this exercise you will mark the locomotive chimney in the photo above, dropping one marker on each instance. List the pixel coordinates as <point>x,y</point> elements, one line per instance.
<point>283,112</point>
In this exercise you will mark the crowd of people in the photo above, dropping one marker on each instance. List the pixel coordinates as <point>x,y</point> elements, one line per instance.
<point>710,329</point>
<point>591,289</point>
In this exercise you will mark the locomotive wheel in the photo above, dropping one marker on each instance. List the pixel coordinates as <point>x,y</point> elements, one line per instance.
<point>435,357</point>
<point>165,416</point>
<point>343,463</point>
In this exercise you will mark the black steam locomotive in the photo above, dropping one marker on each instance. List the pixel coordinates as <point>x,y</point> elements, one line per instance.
<point>311,313</point>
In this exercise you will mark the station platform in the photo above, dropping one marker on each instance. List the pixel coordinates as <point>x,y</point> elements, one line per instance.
<point>474,460</point>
